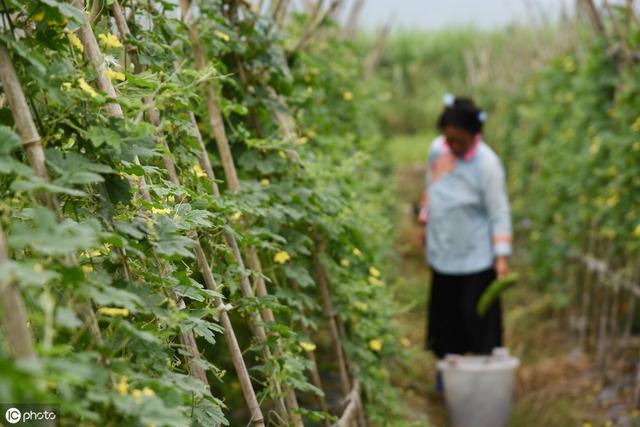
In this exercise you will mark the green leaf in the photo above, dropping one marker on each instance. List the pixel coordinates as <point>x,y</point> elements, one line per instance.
<point>38,184</point>
<point>68,10</point>
<point>104,294</point>
<point>67,318</point>
<point>100,135</point>
<point>171,243</point>
<point>26,53</point>
<point>40,232</point>
<point>9,140</point>
<point>28,273</point>
<point>9,165</point>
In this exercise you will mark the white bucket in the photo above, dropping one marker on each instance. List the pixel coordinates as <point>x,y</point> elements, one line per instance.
<point>479,389</point>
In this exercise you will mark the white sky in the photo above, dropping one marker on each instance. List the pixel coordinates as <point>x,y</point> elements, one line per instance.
<point>428,14</point>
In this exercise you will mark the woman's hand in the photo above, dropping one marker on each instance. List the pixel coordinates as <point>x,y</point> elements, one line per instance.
<point>502,266</point>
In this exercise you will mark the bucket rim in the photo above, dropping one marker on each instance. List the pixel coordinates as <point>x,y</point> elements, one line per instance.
<point>462,363</point>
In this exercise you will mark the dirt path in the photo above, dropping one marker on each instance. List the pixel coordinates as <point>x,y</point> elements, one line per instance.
<point>556,386</point>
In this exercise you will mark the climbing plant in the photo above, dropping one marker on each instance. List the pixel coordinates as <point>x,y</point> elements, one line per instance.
<point>182,192</point>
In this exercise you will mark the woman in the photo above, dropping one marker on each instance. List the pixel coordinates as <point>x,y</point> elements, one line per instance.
<point>468,232</point>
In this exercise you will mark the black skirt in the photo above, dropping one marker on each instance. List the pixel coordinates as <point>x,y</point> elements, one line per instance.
<point>453,326</point>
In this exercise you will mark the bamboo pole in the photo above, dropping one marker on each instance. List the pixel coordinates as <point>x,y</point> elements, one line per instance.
<point>315,371</point>
<point>14,313</point>
<point>632,303</point>
<point>351,27</point>
<point>32,144</point>
<point>217,125</point>
<point>594,17</point>
<point>622,33</point>
<point>351,410</point>
<point>25,126</point>
<point>96,10</point>
<point>94,56</point>
<point>314,24</point>
<point>154,118</point>
<point>330,316</point>
<point>327,309</point>
<point>257,419</point>
<point>586,296</point>
<point>245,286</point>
<point>213,107</point>
<point>375,56</point>
<point>279,10</point>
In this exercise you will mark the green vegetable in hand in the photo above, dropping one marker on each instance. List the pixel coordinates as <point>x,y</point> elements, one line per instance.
<point>493,292</point>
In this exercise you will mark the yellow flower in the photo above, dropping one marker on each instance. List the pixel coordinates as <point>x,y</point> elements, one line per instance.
<point>374,272</point>
<point>146,391</point>
<point>282,257</point>
<point>122,386</point>
<point>375,344</point>
<point>236,216</point>
<point>197,171</point>
<point>357,252</point>
<point>75,41</point>
<point>93,253</point>
<point>39,16</point>
<point>311,133</point>
<point>115,75</point>
<point>636,125</point>
<point>38,267</point>
<point>137,396</point>
<point>636,232</point>
<point>282,155</point>
<point>222,36</point>
<point>302,140</point>
<point>406,342</point>
<point>308,346</point>
<point>347,96</point>
<point>66,86</point>
<point>569,65</point>
<point>160,211</point>
<point>87,268</point>
<point>265,182</point>
<point>361,306</point>
<point>87,87</point>
<point>109,40</point>
<point>113,311</point>
<point>613,200</point>
<point>344,262</point>
<point>374,281</point>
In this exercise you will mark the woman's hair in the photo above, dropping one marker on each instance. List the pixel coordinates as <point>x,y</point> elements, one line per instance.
<point>461,113</point>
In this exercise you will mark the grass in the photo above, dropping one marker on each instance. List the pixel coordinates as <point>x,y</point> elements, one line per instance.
<point>410,149</point>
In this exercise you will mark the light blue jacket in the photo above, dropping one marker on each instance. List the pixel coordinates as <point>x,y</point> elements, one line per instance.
<point>467,213</point>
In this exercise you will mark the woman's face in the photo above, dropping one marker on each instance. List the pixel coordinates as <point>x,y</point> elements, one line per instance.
<point>459,140</point>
